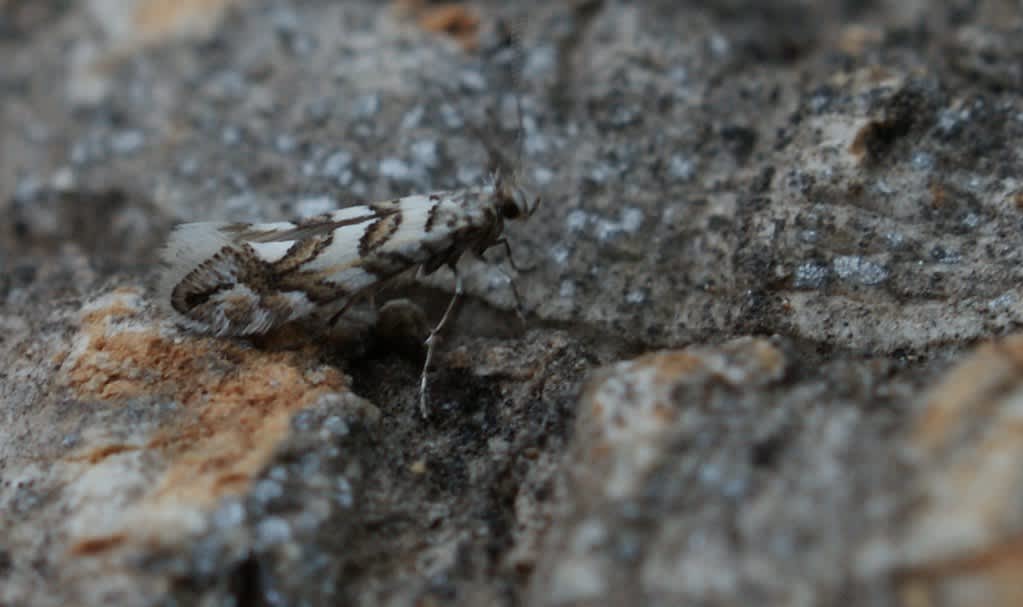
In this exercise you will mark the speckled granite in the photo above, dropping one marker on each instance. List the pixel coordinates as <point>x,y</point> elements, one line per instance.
<point>775,240</point>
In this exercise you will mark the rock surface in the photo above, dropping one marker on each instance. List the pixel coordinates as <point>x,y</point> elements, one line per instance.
<point>771,291</point>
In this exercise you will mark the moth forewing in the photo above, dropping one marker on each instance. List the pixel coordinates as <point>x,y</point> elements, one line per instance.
<point>244,279</point>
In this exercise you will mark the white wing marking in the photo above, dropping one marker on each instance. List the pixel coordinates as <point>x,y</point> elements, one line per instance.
<point>272,251</point>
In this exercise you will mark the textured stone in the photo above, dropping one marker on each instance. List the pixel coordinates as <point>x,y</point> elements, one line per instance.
<point>153,429</point>
<point>713,475</point>
<point>789,219</point>
<point>961,544</point>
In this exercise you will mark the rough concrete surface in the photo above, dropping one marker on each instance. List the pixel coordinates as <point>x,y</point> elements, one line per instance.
<point>768,355</point>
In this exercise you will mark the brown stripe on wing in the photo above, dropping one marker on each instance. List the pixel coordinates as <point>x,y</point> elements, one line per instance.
<point>302,252</point>
<point>385,264</point>
<point>227,268</point>
<point>318,289</point>
<point>432,215</point>
<point>306,228</point>
<point>377,234</point>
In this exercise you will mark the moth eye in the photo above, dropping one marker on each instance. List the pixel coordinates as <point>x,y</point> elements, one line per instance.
<point>510,210</point>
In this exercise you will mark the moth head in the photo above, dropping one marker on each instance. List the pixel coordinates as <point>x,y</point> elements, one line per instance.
<point>513,201</point>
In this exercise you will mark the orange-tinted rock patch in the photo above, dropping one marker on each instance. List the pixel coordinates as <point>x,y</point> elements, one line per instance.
<point>236,402</point>
<point>453,19</point>
<point>97,545</point>
<point>965,534</point>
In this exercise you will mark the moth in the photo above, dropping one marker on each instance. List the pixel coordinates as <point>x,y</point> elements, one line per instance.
<point>235,279</point>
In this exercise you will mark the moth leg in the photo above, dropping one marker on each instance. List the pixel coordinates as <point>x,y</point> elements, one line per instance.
<point>508,253</point>
<point>431,342</point>
<point>520,309</point>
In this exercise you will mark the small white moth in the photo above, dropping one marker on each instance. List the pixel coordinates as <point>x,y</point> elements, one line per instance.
<point>248,278</point>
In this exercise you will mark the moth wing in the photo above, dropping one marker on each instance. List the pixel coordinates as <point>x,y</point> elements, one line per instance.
<point>320,225</point>
<point>241,279</point>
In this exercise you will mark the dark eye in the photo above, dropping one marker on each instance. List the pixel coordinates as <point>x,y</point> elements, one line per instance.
<point>510,210</point>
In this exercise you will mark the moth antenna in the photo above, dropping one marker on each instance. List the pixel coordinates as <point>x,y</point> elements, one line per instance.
<point>511,38</point>
<point>497,161</point>
<point>520,136</point>
<point>506,39</point>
